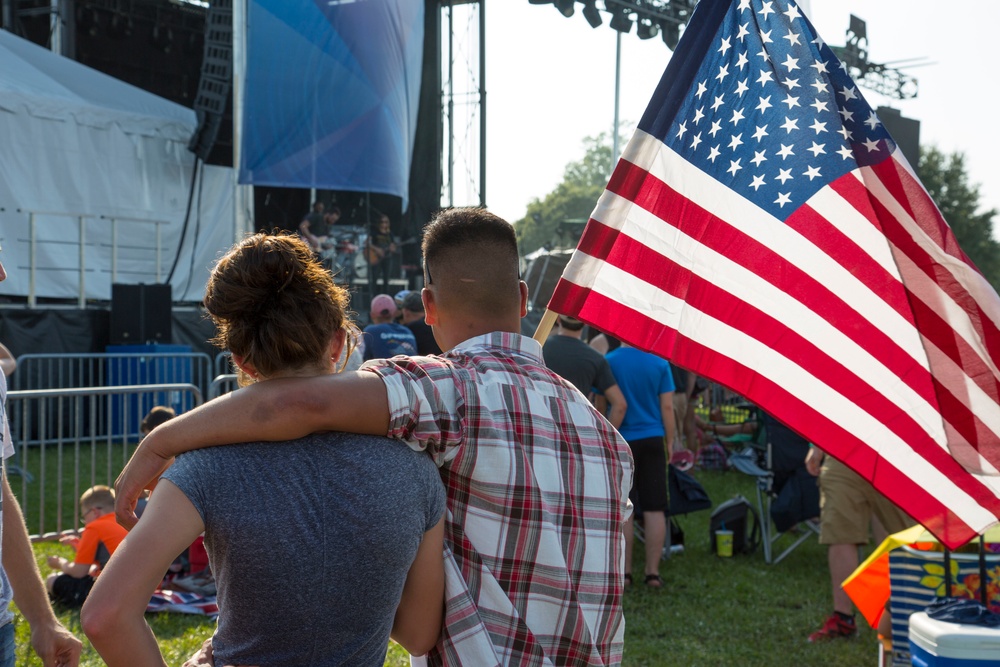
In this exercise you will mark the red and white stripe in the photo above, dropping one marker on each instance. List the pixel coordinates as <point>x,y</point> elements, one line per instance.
<point>857,321</point>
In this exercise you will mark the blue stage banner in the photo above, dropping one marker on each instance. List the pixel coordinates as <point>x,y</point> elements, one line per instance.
<point>332,89</point>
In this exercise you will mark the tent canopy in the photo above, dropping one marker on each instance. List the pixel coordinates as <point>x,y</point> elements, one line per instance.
<point>95,178</point>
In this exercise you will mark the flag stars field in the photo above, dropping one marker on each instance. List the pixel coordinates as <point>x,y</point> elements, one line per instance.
<point>831,107</point>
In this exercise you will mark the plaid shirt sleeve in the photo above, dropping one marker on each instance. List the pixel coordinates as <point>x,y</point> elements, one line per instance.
<point>427,410</point>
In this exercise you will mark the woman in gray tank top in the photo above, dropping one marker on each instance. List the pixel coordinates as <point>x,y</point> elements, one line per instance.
<point>322,548</point>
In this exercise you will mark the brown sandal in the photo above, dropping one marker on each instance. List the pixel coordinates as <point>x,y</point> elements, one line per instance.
<point>654,581</point>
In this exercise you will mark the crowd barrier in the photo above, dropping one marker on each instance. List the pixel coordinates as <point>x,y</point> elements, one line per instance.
<point>222,384</point>
<point>69,439</point>
<point>81,370</point>
<point>223,365</point>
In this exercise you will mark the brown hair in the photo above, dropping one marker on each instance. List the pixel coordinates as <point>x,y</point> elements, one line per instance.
<point>274,305</point>
<point>160,414</point>
<point>97,496</point>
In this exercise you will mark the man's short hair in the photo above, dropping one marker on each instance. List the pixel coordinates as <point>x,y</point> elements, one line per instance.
<point>97,496</point>
<point>413,303</point>
<point>474,254</point>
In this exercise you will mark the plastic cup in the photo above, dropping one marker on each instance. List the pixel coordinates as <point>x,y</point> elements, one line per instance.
<point>724,543</point>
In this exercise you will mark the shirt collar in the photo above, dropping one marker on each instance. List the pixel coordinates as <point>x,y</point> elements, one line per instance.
<point>516,343</point>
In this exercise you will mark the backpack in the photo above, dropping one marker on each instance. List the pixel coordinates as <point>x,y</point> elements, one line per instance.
<point>713,456</point>
<point>739,516</point>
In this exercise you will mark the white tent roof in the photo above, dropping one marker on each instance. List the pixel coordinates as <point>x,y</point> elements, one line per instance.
<point>94,182</point>
<point>42,83</point>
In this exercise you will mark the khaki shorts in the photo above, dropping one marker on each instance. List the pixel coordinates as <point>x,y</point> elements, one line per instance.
<point>847,503</point>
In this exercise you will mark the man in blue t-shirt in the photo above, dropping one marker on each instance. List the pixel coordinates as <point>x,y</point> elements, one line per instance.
<point>648,385</point>
<point>385,338</point>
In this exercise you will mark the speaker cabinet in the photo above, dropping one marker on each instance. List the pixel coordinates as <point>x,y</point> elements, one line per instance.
<point>140,314</point>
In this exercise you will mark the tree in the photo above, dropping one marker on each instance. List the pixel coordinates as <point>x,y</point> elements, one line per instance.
<point>572,200</point>
<point>946,180</point>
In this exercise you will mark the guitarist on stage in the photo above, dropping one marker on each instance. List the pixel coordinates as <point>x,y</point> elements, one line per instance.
<point>380,252</point>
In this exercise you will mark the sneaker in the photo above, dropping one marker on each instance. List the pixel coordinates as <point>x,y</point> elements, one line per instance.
<point>835,627</point>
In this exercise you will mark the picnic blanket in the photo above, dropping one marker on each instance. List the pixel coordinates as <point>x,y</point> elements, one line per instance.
<point>183,602</point>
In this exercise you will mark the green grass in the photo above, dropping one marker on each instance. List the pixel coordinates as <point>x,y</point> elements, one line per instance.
<point>55,477</point>
<point>712,611</point>
<point>736,611</point>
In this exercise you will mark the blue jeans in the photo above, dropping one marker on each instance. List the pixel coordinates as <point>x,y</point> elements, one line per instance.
<point>7,645</point>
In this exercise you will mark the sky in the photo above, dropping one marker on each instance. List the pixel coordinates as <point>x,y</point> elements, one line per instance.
<point>550,82</point>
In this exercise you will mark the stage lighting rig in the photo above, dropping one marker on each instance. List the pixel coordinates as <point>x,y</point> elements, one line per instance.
<point>652,17</point>
<point>883,79</point>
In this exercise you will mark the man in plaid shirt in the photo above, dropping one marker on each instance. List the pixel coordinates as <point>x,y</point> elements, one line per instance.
<point>537,480</point>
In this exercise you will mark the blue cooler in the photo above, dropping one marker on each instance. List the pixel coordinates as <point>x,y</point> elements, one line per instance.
<point>936,643</point>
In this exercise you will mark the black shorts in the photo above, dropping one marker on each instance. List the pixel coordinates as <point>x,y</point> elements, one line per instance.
<point>649,487</point>
<point>71,591</point>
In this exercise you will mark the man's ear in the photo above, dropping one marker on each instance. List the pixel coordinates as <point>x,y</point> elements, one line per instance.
<point>524,297</point>
<point>430,306</point>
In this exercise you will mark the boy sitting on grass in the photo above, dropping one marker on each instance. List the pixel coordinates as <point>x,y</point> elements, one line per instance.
<point>101,536</point>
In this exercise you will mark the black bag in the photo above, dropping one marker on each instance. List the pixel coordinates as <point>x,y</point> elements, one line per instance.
<point>686,493</point>
<point>739,516</point>
<point>798,500</point>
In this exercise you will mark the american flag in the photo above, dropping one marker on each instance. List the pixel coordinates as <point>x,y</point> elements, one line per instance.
<point>763,229</point>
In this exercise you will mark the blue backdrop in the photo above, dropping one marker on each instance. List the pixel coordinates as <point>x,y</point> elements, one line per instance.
<point>332,89</point>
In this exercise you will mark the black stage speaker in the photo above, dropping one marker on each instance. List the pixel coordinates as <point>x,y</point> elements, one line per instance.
<point>140,314</point>
<point>212,102</point>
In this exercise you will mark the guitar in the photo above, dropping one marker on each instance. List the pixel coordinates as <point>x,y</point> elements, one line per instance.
<point>374,254</point>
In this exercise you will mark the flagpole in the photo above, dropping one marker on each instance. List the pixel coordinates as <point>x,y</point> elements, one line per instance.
<point>545,326</point>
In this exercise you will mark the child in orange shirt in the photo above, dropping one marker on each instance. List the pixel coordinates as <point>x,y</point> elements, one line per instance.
<point>101,536</point>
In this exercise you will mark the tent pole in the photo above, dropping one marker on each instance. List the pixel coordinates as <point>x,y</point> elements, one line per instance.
<point>83,287</point>
<point>114,253</point>
<point>32,298</point>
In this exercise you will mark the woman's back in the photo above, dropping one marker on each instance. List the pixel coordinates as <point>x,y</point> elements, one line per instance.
<point>310,542</point>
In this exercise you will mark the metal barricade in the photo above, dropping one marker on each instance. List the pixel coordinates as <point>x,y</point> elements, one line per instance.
<point>223,363</point>
<point>68,440</point>
<point>66,371</point>
<point>222,384</point>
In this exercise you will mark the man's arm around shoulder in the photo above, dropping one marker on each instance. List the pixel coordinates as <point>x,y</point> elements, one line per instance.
<point>275,410</point>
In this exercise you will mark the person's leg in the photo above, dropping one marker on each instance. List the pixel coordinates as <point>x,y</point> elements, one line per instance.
<point>680,418</point>
<point>844,521</point>
<point>843,560</point>
<point>651,484</point>
<point>655,524</point>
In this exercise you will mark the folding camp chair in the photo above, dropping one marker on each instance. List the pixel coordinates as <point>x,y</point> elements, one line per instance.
<point>787,495</point>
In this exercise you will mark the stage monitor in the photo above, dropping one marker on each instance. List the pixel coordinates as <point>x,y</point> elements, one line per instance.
<point>140,314</point>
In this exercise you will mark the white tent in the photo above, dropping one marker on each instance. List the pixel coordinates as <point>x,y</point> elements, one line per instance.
<point>95,178</point>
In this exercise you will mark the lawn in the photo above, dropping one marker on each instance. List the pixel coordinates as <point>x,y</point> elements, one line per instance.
<point>712,611</point>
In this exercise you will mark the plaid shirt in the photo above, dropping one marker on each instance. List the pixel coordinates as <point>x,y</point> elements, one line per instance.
<point>537,487</point>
